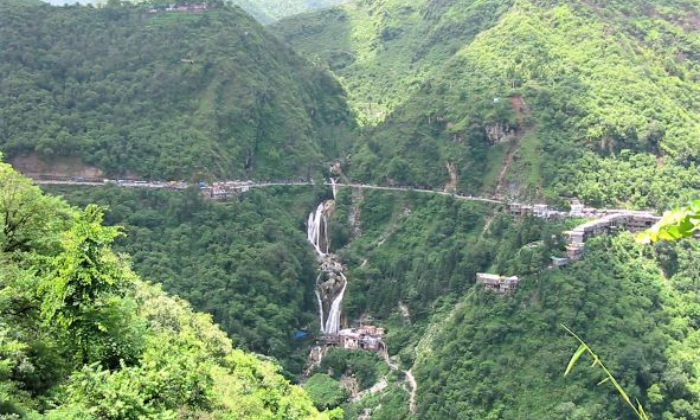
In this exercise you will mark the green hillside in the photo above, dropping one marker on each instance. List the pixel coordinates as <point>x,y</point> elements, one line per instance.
<point>163,95</point>
<point>83,338</point>
<point>504,358</point>
<point>529,98</point>
<point>220,257</point>
<point>477,355</point>
<point>268,11</point>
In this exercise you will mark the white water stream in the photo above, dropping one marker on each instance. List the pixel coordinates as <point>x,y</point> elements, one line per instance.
<point>317,234</point>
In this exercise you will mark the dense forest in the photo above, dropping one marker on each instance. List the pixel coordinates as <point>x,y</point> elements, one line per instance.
<point>532,100</point>
<point>245,261</point>
<point>528,99</point>
<point>424,252</point>
<point>265,11</point>
<point>477,355</point>
<point>83,337</point>
<point>166,95</point>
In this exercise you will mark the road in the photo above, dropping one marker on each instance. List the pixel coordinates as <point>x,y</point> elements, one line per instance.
<point>233,186</point>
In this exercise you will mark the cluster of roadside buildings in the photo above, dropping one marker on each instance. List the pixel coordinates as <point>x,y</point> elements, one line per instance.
<point>606,221</point>
<point>225,189</point>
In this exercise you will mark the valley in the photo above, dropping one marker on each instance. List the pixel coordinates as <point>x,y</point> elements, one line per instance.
<point>381,210</point>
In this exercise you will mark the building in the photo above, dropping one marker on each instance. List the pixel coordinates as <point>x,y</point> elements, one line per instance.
<point>498,284</point>
<point>628,220</point>
<point>558,261</point>
<point>367,337</point>
<point>349,339</point>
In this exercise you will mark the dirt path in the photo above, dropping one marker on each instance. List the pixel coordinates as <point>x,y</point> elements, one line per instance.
<point>410,380</point>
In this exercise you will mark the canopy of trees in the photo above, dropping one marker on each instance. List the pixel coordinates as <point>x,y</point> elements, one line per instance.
<point>593,99</point>
<point>164,95</point>
<point>82,337</point>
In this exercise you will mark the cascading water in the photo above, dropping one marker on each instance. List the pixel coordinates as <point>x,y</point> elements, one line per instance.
<point>317,234</point>
<point>317,222</point>
<point>320,309</point>
<point>333,321</point>
<point>334,188</point>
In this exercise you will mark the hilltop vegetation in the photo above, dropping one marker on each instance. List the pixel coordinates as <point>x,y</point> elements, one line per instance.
<point>170,95</point>
<point>82,337</point>
<point>265,11</point>
<point>530,98</point>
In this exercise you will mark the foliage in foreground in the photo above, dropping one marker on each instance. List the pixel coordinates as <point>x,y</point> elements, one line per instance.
<point>584,348</point>
<point>676,224</point>
<point>82,337</point>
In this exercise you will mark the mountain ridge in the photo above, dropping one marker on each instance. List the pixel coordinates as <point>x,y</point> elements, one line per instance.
<point>166,94</point>
<point>583,69</point>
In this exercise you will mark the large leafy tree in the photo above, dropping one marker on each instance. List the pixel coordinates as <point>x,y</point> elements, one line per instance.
<point>82,294</point>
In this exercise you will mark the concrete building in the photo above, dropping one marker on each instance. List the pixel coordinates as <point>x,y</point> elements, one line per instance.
<point>498,284</point>
<point>558,261</point>
<point>367,337</point>
<point>628,220</point>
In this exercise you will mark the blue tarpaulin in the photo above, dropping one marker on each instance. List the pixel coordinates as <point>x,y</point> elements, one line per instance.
<point>300,334</point>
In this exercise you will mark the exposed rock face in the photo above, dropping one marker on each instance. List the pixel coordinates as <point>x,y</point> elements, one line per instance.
<point>499,133</point>
<point>67,168</point>
<point>451,186</point>
<point>315,356</point>
<point>354,214</point>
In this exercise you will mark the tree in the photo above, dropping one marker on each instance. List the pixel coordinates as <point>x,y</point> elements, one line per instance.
<point>325,391</point>
<point>26,216</point>
<point>80,291</point>
<point>676,224</point>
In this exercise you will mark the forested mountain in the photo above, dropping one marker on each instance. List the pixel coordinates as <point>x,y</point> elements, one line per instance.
<point>521,98</point>
<point>163,94</point>
<point>268,11</point>
<point>82,337</point>
<point>477,355</point>
<point>265,11</point>
<point>537,100</point>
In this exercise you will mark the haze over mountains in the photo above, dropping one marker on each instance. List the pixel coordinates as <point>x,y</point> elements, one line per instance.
<point>528,101</point>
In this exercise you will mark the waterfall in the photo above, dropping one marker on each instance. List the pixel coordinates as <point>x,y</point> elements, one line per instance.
<point>317,221</point>
<point>333,321</point>
<point>334,188</point>
<point>320,310</point>
<point>317,234</point>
